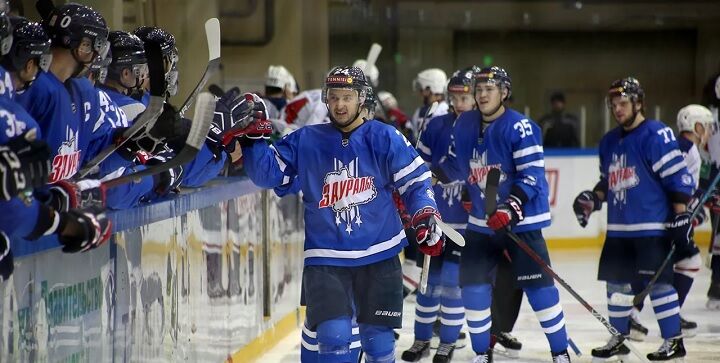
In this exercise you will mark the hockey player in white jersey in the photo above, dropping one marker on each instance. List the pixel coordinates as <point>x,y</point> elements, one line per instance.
<point>645,182</point>
<point>430,85</point>
<point>347,171</point>
<point>280,87</point>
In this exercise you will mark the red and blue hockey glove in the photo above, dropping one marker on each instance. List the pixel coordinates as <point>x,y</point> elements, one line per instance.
<point>81,230</point>
<point>7,265</point>
<point>243,117</point>
<point>429,236</point>
<point>585,203</point>
<point>680,229</point>
<point>507,215</point>
<point>66,195</point>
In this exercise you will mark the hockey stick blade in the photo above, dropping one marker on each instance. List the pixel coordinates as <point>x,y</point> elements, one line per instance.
<point>194,142</point>
<point>212,31</point>
<point>450,232</point>
<point>147,119</point>
<point>491,186</point>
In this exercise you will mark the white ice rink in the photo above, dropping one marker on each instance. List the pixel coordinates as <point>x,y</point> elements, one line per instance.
<point>579,269</point>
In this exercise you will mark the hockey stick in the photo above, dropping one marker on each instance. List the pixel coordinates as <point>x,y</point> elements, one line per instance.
<point>196,138</point>
<point>157,93</point>
<point>147,118</point>
<point>212,32</point>
<point>491,190</point>
<point>622,299</point>
<point>426,258</point>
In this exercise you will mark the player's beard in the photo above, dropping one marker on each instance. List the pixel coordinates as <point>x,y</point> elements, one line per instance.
<point>339,124</point>
<point>630,120</point>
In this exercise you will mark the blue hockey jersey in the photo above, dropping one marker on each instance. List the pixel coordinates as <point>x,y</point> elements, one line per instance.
<point>347,184</point>
<point>513,144</point>
<point>433,148</point>
<point>641,168</point>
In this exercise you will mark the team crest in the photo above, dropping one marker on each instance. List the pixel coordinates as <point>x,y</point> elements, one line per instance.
<point>621,177</point>
<point>344,191</point>
<point>479,170</point>
<point>65,164</point>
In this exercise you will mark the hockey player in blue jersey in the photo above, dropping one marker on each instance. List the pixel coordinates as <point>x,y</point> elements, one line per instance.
<point>646,184</point>
<point>443,295</point>
<point>171,57</point>
<point>498,137</point>
<point>694,123</point>
<point>347,171</point>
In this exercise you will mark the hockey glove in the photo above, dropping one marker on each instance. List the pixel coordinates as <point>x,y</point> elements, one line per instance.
<point>169,180</point>
<point>680,229</point>
<point>507,215</point>
<point>585,203</point>
<point>169,129</point>
<point>84,229</point>
<point>24,164</point>
<point>428,234</point>
<point>66,195</point>
<point>700,216</point>
<point>7,265</point>
<point>238,117</point>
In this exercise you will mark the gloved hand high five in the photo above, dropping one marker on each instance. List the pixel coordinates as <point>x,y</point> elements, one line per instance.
<point>66,195</point>
<point>429,236</point>
<point>238,116</point>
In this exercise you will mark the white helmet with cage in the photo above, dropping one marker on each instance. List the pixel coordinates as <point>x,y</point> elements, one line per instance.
<point>387,99</point>
<point>434,79</point>
<point>692,114</point>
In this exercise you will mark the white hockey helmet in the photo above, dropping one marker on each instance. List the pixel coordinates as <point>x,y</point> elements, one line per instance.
<point>433,78</point>
<point>387,99</point>
<point>689,115</point>
<point>280,77</point>
<point>373,73</point>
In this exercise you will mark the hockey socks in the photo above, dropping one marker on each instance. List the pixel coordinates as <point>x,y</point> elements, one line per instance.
<point>619,311</point>
<point>476,299</point>
<point>452,312</point>
<point>665,303</point>
<point>685,272</point>
<point>545,301</point>
<point>428,305</point>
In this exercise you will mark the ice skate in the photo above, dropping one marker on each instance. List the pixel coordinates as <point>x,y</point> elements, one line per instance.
<point>444,353</point>
<point>638,332</point>
<point>507,345</point>
<point>562,357</point>
<point>672,350</point>
<point>613,351</point>
<point>713,295</point>
<point>689,328</point>
<point>418,350</point>
<point>486,357</point>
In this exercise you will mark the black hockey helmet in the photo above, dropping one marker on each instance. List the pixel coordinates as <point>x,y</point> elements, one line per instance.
<point>5,28</point>
<point>68,24</point>
<point>30,41</point>
<point>348,78</point>
<point>166,41</point>
<point>463,80</point>
<point>99,68</point>
<point>627,87</point>
<point>128,51</point>
<point>496,75</point>
<point>370,100</point>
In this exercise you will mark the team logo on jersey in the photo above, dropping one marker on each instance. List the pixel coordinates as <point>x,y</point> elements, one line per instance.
<point>621,177</point>
<point>479,170</point>
<point>65,164</point>
<point>344,191</point>
<point>452,192</point>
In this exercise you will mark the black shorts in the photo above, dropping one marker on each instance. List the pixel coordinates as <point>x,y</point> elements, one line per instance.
<point>482,253</point>
<point>375,290</point>
<point>451,253</point>
<point>630,259</point>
